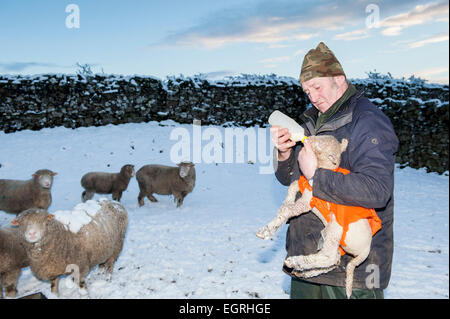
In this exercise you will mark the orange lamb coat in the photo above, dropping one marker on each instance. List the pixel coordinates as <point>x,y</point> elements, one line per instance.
<point>345,215</point>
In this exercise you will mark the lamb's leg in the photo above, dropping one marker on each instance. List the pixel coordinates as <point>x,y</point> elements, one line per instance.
<point>327,257</point>
<point>290,208</point>
<point>313,272</point>
<point>355,262</point>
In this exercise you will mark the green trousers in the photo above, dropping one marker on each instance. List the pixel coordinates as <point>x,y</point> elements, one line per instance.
<point>301,289</point>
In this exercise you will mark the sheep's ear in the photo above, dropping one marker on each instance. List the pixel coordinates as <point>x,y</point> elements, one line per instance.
<point>50,216</point>
<point>344,144</point>
<point>15,222</point>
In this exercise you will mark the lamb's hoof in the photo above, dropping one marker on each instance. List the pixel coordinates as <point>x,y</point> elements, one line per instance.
<point>294,263</point>
<point>264,233</point>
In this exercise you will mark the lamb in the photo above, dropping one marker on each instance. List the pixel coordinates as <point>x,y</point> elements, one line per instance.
<point>12,259</point>
<point>336,239</point>
<point>166,180</point>
<point>78,240</point>
<point>17,195</point>
<point>106,183</point>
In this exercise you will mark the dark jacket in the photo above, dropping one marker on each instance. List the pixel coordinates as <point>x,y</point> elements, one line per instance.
<point>370,184</point>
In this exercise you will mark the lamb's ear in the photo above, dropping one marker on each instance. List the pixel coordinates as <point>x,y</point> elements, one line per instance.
<point>34,175</point>
<point>333,159</point>
<point>344,144</point>
<point>50,216</point>
<point>54,174</point>
<point>15,222</point>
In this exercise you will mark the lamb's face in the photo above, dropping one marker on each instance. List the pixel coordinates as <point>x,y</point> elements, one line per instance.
<point>327,150</point>
<point>32,224</point>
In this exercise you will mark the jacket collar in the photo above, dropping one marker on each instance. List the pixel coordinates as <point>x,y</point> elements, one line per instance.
<point>339,119</point>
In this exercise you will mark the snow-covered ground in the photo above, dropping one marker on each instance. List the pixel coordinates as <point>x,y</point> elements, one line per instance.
<point>207,248</point>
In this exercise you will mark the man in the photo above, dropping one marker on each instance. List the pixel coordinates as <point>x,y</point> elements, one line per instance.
<point>340,110</point>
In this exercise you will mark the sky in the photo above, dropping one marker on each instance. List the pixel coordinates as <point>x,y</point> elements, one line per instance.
<point>224,38</point>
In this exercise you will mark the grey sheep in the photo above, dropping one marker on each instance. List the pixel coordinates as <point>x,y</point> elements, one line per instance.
<point>166,180</point>
<point>12,259</point>
<point>17,195</point>
<point>106,183</point>
<point>54,249</point>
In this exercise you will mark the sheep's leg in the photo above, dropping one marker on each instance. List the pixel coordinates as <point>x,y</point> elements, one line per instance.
<point>151,198</point>
<point>179,198</point>
<point>10,283</point>
<point>87,195</point>
<point>117,195</point>
<point>54,286</point>
<point>327,257</point>
<point>290,208</point>
<point>141,198</point>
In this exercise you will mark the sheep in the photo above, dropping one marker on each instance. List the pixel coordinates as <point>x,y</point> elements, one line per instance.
<point>73,242</point>
<point>17,195</point>
<point>106,183</point>
<point>166,180</point>
<point>335,241</point>
<point>12,259</point>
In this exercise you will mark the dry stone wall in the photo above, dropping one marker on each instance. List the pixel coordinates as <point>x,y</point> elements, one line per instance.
<point>418,111</point>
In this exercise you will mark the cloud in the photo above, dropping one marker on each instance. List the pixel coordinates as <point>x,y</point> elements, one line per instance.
<point>269,22</point>
<point>434,74</point>
<point>421,14</point>
<point>353,35</point>
<point>276,59</point>
<point>434,39</point>
<point>21,66</point>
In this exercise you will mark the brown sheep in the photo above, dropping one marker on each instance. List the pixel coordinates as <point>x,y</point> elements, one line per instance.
<point>55,249</point>
<point>106,183</point>
<point>17,196</point>
<point>13,258</point>
<point>166,180</point>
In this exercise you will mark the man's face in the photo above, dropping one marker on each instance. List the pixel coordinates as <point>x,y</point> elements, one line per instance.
<point>322,92</point>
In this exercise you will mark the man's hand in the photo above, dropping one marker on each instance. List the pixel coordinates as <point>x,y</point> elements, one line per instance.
<point>281,138</point>
<point>307,160</point>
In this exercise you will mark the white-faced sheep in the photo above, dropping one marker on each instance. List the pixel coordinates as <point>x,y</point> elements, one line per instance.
<point>12,259</point>
<point>18,195</point>
<point>166,180</point>
<point>66,241</point>
<point>347,229</point>
<point>107,183</point>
